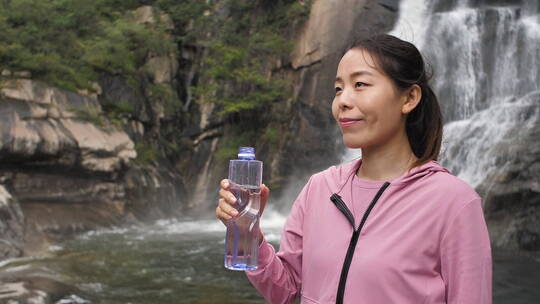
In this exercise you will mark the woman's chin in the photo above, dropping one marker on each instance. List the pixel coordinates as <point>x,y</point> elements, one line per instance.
<point>352,144</point>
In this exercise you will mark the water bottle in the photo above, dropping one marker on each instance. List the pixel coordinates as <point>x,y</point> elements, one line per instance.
<point>242,238</point>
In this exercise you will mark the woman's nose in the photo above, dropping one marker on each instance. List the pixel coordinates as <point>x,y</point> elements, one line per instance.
<point>345,100</point>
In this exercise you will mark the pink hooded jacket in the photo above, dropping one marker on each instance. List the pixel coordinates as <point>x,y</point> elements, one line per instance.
<point>424,241</point>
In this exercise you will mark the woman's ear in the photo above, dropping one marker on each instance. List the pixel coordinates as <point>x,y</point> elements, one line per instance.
<point>412,98</point>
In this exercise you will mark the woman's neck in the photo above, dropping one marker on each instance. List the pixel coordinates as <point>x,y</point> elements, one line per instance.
<point>386,163</point>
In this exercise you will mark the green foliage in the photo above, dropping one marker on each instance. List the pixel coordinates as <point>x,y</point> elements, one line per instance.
<point>110,118</point>
<point>119,108</point>
<point>146,154</point>
<point>228,148</point>
<point>297,11</point>
<point>117,111</point>
<point>170,147</point>
<point>236,82</point>
<point>111,51</point>
<point>269,44</point>
<point>271,136</point>
<point>244,42</point>
<point>193,14</point>
<point>223,59</point>
<point>164,94</point>
<point>69,42</point>
<point>91,115</point>
<point>237,72</point>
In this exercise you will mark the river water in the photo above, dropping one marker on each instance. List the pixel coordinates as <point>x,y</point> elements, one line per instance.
<point>181,261</point>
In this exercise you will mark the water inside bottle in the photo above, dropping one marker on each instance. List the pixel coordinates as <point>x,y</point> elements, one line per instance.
<point>241,241</point>
<point>247,197</point>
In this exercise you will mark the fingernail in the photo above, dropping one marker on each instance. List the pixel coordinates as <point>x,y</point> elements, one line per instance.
<point>234,212</point>
<point>233,199</point>
<point>226,184</point>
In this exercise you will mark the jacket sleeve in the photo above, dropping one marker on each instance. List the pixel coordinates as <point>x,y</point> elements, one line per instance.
<point>278,277</point>
<point>466,264</point>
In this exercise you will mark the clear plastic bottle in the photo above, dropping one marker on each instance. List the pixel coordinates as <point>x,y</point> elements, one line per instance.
<point>242,238</point>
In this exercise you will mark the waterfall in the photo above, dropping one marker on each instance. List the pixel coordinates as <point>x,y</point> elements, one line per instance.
<point>486,61</point>
<point>410,25</point>
<point>473,147</point>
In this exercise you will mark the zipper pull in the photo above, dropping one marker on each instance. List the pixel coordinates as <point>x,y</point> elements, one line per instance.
<point>340,204</point>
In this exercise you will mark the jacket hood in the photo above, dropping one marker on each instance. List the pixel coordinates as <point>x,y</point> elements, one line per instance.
<point>337,176</point>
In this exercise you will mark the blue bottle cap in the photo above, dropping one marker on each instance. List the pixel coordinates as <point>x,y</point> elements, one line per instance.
<point>247,153</point>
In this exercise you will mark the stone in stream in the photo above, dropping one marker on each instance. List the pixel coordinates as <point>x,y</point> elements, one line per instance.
<point>11,226</point>
<point>34,285</point>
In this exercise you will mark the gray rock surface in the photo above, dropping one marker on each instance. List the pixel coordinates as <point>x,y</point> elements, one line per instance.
<point>35,285</point>
<point>11,226</point>
<point>44,123</point>
<point>49,154</point>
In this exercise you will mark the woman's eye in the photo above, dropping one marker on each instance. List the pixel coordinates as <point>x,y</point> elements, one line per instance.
<point>359,84</point>
<point>338,89</point>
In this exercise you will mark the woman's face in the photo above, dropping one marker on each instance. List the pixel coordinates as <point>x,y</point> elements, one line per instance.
<point>367,104</point>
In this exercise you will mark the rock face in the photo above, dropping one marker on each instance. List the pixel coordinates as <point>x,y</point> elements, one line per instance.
<point>41,121</point>
<point>49,155</point>
<point>68,173</point>
<point>11,226</point>
<point>333,25</point>
<point>308,135</point>
<point>35,284</point>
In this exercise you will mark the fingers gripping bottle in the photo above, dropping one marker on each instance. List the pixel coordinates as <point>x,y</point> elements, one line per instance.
<point>241,240</point>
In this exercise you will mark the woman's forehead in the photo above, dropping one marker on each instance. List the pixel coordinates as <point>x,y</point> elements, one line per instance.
<point>357,62</point>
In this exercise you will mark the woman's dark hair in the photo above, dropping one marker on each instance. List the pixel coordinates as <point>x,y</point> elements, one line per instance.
<point>403,63</point>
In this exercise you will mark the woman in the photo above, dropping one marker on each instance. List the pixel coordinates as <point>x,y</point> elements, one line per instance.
<point>392,227</point>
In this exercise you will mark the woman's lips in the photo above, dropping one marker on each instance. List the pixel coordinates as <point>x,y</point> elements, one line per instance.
<point>349,122</point>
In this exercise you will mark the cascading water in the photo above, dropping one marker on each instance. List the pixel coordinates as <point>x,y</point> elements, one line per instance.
<point>487,62</point>
<point>506,92</point>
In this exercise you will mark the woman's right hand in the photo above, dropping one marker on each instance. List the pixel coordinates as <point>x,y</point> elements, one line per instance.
<point>225,210</point>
